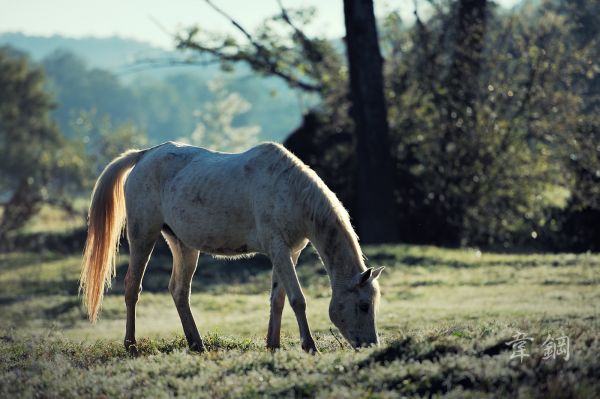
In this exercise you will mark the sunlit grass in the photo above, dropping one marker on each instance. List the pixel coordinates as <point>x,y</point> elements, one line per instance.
<point>441,310</point>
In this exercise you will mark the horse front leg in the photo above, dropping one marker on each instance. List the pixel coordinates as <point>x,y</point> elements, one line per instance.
<point>283,266</point>
<point>277,303</point>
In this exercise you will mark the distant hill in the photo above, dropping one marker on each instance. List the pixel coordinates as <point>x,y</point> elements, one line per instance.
<point>105,74</point>
<point>107,53</point>
<point>115,54</point>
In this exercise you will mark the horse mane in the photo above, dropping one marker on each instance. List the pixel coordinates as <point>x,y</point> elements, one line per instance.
<point>321,203</point>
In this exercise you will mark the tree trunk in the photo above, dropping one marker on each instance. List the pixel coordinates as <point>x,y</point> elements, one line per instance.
<point>375,214</point>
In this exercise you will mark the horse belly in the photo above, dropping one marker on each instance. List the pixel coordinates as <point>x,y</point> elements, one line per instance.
<point>226,232</point>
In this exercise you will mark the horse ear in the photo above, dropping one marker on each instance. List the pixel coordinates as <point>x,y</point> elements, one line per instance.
<point>377,272</point>
<point>368,275</point>
<point>362,278</point>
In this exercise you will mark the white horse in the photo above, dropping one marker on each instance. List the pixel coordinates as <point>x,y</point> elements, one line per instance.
<point>262,200</point>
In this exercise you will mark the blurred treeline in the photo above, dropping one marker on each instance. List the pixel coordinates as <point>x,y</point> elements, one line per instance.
<point>493,118</point>
<point>495,124</point>
<point>62,121</point>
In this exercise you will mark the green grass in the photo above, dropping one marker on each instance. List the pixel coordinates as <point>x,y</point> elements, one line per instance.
<point>54,219</point>
<point>444,320</point>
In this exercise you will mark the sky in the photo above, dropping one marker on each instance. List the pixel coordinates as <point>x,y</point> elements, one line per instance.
<point>152,20</point>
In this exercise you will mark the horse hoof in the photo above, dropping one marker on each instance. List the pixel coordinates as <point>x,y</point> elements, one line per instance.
<point>272,344</point>
<point>311,348</point>
<point>273,348</point>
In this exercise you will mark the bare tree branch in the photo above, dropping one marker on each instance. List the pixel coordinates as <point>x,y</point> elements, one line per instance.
<point>313,54</point>
<point>269,67</point>
<point>263,59</point>
<point>261,50</point>
<point>233,22</point>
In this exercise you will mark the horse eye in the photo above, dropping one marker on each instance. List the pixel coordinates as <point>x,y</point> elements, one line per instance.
<point>364,307</point>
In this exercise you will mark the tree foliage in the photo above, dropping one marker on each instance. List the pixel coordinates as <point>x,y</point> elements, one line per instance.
<point>279,47</point>
<point>163,104</point>
<point>493,118</point>
<point>494,179</point>
<point>31,147</point>
<point>215,129</point>
<point>38,164</point>
<point>100,141</point>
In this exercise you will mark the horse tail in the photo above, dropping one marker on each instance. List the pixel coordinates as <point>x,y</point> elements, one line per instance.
<point>106,219</point>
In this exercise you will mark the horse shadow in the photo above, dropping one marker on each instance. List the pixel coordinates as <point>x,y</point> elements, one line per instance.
<point>213,272</point>
<point>210,273</point>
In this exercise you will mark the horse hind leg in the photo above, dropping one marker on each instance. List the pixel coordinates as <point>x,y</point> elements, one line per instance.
<point>140,249</point>
<point>185,260</point>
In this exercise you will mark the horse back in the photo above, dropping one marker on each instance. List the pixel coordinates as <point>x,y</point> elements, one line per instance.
<point>227,204</point>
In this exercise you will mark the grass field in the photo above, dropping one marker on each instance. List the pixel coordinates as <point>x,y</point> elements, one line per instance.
<point>445,318</point>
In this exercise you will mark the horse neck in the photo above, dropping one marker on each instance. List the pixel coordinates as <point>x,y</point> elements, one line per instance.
<point>338,251</point>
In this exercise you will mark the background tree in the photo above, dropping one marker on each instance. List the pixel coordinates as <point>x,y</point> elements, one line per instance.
<point>500,177</point>
<point>375,210</point>
<point>477,104</point>
<point>31,147</point>
<point>579,150</point>
<point>100,140</point>
<point>493,118</point>
<point>38,165</point>
<point>215,129</point>
<point>313,65</point>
